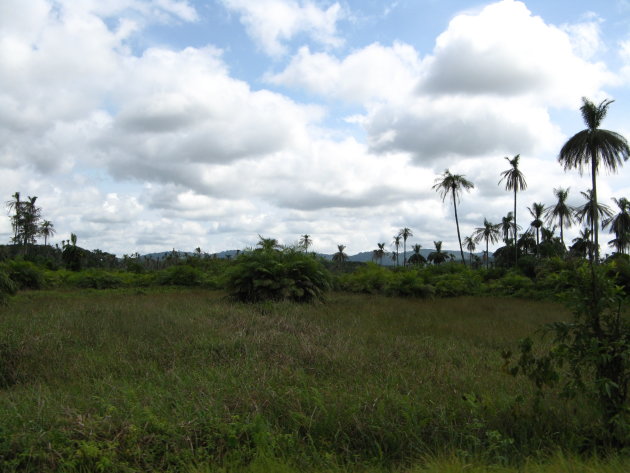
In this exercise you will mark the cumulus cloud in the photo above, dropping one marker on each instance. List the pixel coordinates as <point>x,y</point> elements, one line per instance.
<point>506,50</point>
<point>274,22</point>
<point>375,72</point>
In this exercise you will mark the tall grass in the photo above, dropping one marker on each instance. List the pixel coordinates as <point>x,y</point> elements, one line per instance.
<point>186,380</point>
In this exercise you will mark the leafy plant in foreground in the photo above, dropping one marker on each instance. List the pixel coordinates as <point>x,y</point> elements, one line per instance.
<point>590,354</point>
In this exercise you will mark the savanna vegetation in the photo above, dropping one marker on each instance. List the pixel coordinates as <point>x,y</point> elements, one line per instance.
<point>278,359</point>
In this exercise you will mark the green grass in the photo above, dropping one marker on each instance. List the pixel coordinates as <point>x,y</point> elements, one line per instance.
<point>185,380</point>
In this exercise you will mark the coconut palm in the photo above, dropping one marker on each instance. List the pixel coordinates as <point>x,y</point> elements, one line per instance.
<point>437,256</point>
<point>267,244</point>
<point>589,210</point>
<point>561,212</point>
<point>305,242</point>
<point>16,206</point>
<point>620,225</point>
<point>469,241</point>
<point>583,244</point>
<point>490,233</point>
<point>417,258</point>
<point>452,185</point>
<point>340,257</point>
<point>594,146</point>
<point>379,253</point>
<point>515,181</point>
<point>47,230</point>
<point>537,211</point>
<point>396,243</point>
<point>405,233</point>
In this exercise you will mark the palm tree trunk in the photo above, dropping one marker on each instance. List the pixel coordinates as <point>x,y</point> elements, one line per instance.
<point>404,252</point>
<point>459,238</point>
<point>594,210</point>
<point>562,232</point>
<point>515,231</point>
<point>487,255</point>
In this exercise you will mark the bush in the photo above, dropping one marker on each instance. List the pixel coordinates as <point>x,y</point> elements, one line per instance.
<point>370,278</point>
<point>95,279</point>
<point>270,275</point>
<point>180,275</point>
<point>7,287</point>
<point>24,274</point>
<point>513,284</point>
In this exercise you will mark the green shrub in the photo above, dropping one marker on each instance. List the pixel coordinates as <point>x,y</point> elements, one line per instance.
<point>277,275</point>
<point>180,275</point>
<point>409,284</point>
<point>25,274</point>
<point>370,278</point>
<point>95,279</point>
<point>7,287</point>
<point>464,283</point>
<point>513,284</point>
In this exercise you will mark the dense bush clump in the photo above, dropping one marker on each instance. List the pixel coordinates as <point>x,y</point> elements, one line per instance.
<point>7,287</point>
<point>263,275</point>
<point>181,275</point>
<point>24,274</point>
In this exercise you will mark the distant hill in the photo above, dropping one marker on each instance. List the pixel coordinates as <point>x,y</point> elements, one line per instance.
<point>362,257</point>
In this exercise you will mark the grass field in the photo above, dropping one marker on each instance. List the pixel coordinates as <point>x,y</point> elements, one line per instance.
<point>187,381</point>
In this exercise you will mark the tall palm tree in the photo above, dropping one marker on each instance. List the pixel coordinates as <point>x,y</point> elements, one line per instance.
<point>561,211</point>
<point>305,242</point>
<point>594,146</point>
<point>587,213</point>
<point>47,230</point>
<point>405,233</point>
<point>340,257</point>
<point>379,252</point>
<point>452,185</point>
<point>515,181</point>
<point>620,225</point>
<point>396,243</point>
<point>490,233</point>
<point>537,211</point>
<point>469,241</point>
<point>16,206</point>
<point>437,256</point>
<point>417,258</point>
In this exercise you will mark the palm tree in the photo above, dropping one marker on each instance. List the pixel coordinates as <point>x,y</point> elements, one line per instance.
<point>405,233</point>
<point>437,256</point>
<point>379,252</point>
<point>267,244</point>
<point>47,230</point>
<point>591,212</point>
<point>583,244</point>
<point>396,243</point>
<point>514,180</point>
<point>416,258</point>
<point>305,242</point>
<point>469,241</point>
<point>489,232</point>
<point>453,184</point>
<point>620,225</point>
<point>340,257</point>
<point>561,212</point>
<point>16,206</point>
<point>594,146</point>
<point>537,210</point>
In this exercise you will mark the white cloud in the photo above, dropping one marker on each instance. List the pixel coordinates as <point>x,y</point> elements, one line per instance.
<point>375,72</point>
<point>274,22</point>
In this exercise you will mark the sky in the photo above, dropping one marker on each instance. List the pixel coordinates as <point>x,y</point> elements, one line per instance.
<point>148,125</point>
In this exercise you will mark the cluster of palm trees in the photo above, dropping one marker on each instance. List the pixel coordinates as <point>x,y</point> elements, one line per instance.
<point>590,148</point>
<point>27,221</point>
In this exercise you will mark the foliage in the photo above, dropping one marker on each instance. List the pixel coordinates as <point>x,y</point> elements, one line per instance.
<point>590,354</point>
<point>271,275</point>
<point>180,275</point>
<point>24,274</point>
<point>7,286</point>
